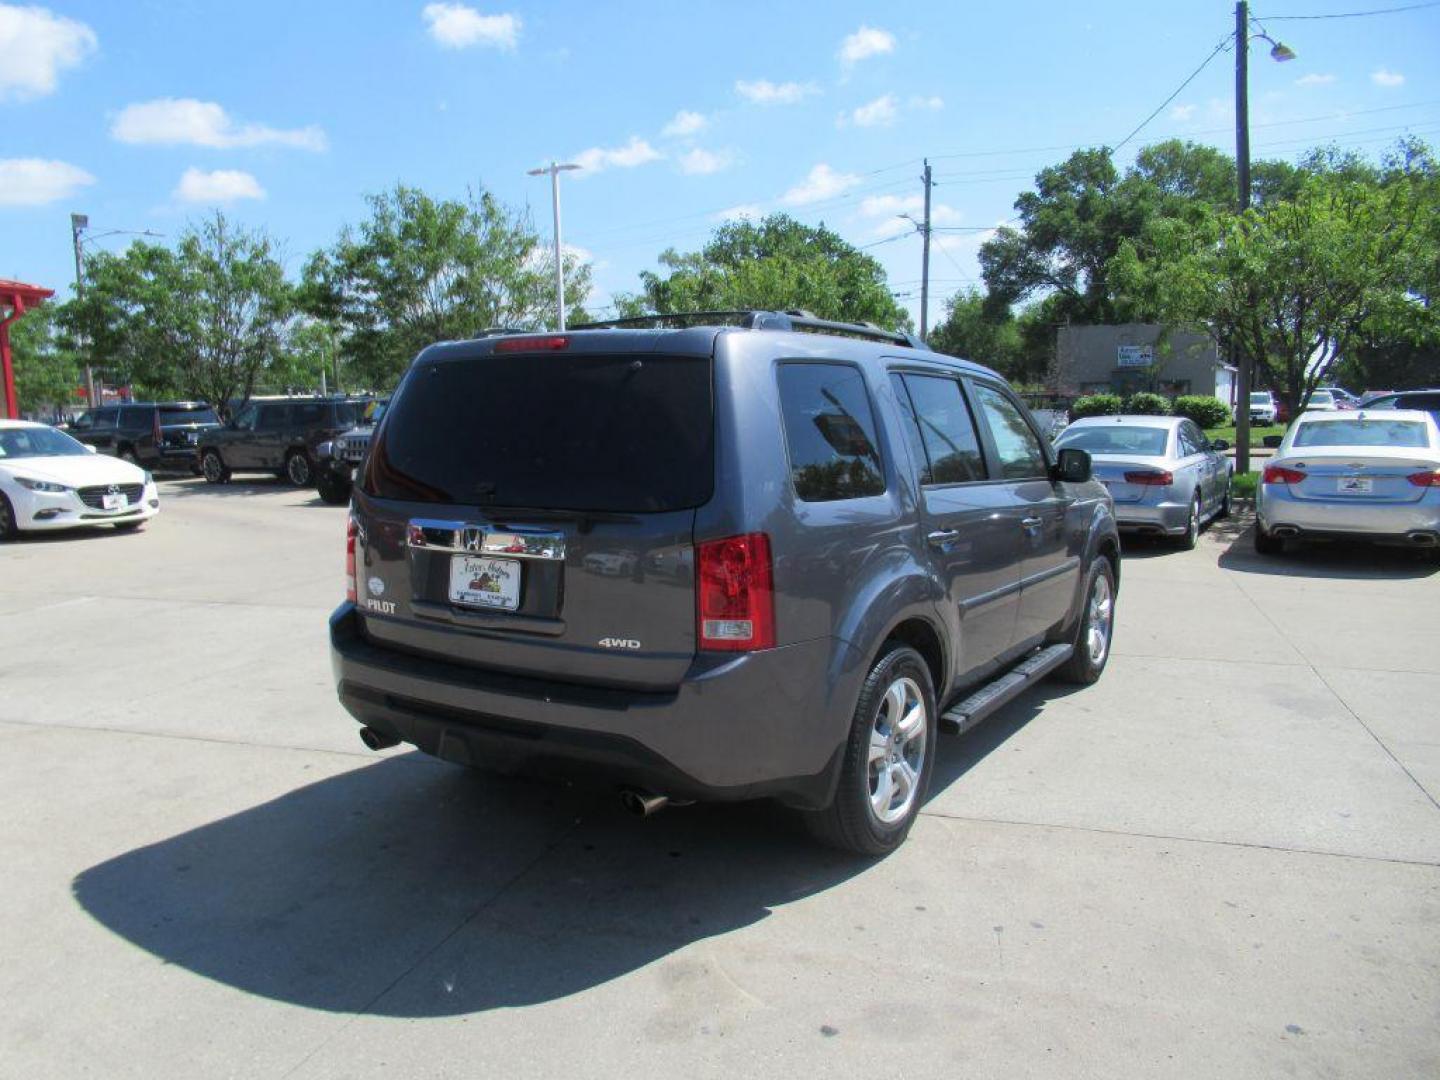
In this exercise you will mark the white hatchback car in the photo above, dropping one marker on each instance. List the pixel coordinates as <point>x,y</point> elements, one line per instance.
<point>50,481</point>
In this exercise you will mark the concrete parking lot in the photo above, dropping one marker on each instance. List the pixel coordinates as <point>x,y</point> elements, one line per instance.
<point>1221,861</point>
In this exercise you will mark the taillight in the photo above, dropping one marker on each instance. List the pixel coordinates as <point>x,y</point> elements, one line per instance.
<point>351,529</point>
<point>1425,479</point>
<point>550,343</point>
<point>1150,478</point>
<point>1278,474</point>
<point>735,597</point>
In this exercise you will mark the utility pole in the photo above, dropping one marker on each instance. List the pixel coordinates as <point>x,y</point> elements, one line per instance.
<point>78,224</point>
<point>555,169</point>
<point>925,259</point>
<point>1242,172</point>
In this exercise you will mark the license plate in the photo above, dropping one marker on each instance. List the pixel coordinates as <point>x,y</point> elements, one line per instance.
<point>114,502</point>
<point>487,583</point>
<point>1355,485</point>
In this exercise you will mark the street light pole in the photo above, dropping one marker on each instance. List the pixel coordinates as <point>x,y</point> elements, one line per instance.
<point>554,169</point>
<point>1242,172</point>
<point>925,260</point>
<point>78,224</point>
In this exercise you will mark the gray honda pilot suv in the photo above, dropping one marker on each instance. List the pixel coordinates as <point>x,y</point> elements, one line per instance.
<point>763,555</point>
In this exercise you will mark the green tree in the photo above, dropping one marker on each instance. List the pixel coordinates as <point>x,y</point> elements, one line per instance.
<point>202,320</point>
<point>774,264</point>
<point>976,332</point>
<point>421,270</point>
<point>46,372</point>
<point>1295,282</point>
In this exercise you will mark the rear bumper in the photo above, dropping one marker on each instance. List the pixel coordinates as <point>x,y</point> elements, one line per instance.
<point>1334,519</point>
<point>770,724</point>
<point>1170,518</point>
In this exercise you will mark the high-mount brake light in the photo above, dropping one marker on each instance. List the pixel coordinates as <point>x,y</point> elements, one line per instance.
<point>351,529</point>
<point>735,600</point>
<point>1150,478</point>
<point>549,343</point>
<point>1279,474</point>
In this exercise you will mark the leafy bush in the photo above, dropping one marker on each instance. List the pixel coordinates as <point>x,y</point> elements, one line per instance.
<point>1095,405</point>
<point>1207,412</point>
<point>1147,404</point>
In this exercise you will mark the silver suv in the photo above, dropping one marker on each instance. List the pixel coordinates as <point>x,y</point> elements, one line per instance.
<point>760,556</point>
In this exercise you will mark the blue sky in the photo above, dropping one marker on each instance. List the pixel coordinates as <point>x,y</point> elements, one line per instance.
<point>142,114</point>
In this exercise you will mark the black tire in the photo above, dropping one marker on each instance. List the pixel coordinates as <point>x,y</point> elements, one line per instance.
<point>1087,661</point>
<point>1191,536</point>
<point>298,469</point>
<point>9,528</point>
<point>1224,511</point>
<point>1265,544</point>
<point>332,487</point>
<point>850,822</point>
<point>212,467</point>
<point>128,526</point>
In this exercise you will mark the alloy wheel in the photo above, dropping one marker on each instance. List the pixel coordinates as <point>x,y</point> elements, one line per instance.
<point>1099,614</point>
<point>213,469</point>
<point>898,744</point>
<point>297,468</point>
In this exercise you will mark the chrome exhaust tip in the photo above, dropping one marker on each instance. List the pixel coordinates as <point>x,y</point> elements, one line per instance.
<point>377,740</point>
<point>1285,531</point>
<point>642,803</point>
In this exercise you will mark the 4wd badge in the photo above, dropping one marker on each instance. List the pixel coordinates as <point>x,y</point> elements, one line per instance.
<point>619,643</point>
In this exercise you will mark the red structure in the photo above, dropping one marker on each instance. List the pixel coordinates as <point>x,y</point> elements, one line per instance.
<point>15,299</point>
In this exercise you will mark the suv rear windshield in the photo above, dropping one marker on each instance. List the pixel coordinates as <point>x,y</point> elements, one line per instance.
<point>202,415</point>
<point>566,432</point>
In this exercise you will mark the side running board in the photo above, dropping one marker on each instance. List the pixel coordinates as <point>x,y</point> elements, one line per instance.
<point>964,715</point>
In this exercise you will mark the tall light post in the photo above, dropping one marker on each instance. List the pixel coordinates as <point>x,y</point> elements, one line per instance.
<point>555,169</point>
<point>1279,53</point>
<point>78,224</point>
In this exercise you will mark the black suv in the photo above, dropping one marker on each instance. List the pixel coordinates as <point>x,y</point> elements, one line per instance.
<point>773,558</point>
<point>152,434</point>
<point>277,435</point>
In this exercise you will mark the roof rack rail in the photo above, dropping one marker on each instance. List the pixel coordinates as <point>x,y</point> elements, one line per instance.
<point>794,319</point>
<point>497,331</point>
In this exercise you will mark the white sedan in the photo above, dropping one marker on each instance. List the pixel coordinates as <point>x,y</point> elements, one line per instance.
<point>50,481</point>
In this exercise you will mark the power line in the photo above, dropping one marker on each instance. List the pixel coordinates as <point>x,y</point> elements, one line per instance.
<point>1219,48</point>
<point>1347,14</point>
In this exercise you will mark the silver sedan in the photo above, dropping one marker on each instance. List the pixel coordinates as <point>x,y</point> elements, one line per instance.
<point>1356,475</point>
<point>1166,477</point>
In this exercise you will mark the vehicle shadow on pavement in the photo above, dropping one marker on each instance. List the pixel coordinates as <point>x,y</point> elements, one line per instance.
<point>958,754</point>
<point>413,889</point>
<point>1328,560</point>
<point>248,487</point>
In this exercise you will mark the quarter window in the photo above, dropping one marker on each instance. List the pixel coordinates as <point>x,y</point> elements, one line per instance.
<point>950,447</point>
<point>271,416</point>
<point>1017,447</point>
<point>830,432</point>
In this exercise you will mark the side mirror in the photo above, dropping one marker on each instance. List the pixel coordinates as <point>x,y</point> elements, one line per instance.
<point>1219,445</point>
<point>1072,466</point>
<point>88,448</point>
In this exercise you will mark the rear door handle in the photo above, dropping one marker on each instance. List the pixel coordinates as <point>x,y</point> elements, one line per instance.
<point>941,537</point>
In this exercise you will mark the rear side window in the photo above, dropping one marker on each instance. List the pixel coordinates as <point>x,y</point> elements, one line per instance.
<point>310,414</point>
<point>1017,448</point>
<point>830,432</point>
<point>566,431</point>
<point>136,416</point>
<point>950,447</point>
<point>272,416</point>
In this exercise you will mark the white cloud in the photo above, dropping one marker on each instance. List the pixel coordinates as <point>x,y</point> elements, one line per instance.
<point>685,124</point>
<point>892,207</point>
<point>1315,79</point>
<point>1386,77</point>
<point>598,158</point>
<point>220,186</point>
<point>1183,112</point>
<point>866,42</point>
<point>878,113</point>
<point>701,162</point>
<point>187,122</point>
<point>36,45</point>
<point>458,26</point>
<point>823,182</point>
<point>934,102</point>
<point>765,92</point>
<point>743,212</point>
<point>35,181</point>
